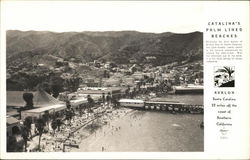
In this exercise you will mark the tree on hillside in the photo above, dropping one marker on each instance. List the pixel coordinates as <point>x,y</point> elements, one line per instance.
<point>55,90</point>
<point>73,82</point>
<point>32,81</point>
<point>45,86</point>
<point>28,98</point>
<point>56,85</point>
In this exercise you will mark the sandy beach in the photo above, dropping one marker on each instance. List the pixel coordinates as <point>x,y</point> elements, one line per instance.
<point>147,131</point>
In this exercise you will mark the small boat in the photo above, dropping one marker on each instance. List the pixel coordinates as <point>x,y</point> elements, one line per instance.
<point>163,108</point>
<point>190,88</point>
<point>176,109</point>
<point>152,107</point>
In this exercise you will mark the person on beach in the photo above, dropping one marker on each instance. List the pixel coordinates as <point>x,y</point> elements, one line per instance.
<point>108,99</point>
<point>103,98</point>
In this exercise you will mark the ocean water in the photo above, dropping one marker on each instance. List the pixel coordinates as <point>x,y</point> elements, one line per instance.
<point>147,131</point>
<point>196,99</point>
<point>150,131</point>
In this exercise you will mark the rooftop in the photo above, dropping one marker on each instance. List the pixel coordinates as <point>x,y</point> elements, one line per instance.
<point>40,99</point>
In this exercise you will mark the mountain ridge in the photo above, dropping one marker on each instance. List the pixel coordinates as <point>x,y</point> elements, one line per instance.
<point>116,46</point>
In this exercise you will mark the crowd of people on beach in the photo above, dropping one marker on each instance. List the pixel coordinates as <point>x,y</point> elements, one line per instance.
<point>55,124</point>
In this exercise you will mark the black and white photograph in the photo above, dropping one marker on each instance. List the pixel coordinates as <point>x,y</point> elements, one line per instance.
<point>224,76</point>
<point>104,77</point>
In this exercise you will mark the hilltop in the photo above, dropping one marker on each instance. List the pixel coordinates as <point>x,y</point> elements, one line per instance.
<point>63,61</point>
<point>114,46</point>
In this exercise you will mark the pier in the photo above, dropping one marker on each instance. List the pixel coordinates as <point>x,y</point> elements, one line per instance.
<point>173,107</point>
<point>162,106</point>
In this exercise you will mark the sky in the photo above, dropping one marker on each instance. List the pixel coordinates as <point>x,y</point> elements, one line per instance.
<point>63,16</point>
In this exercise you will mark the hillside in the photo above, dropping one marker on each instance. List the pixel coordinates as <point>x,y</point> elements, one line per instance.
<point>119,47</point>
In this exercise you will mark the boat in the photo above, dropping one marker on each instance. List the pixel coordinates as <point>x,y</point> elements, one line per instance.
<point>190,88</point>
<point>164,108</point>
<point>131,103</point>
<point>152,107</point>
<point>158,107</point>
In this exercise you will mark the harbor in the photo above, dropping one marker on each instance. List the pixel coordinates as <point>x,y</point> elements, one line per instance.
<point>143,131</point>
<point>110,128</point>
<point>79,101</point>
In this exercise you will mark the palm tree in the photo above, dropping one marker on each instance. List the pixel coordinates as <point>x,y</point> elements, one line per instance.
<point>27,124</point>
<point>40,124</point>
<point>228,70</point>
<point>28,98</point>
<point>68,112</point>
<point>54,125</point>
<point>25,135</point>
<point>46,118</point>
<point>59,123</point>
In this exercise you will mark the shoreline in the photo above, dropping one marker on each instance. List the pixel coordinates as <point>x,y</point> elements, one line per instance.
<point>106,126</point>
<point>105,130</point>
<point>138,131</point>
<point>79,130</point>
<point>104,123</point>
